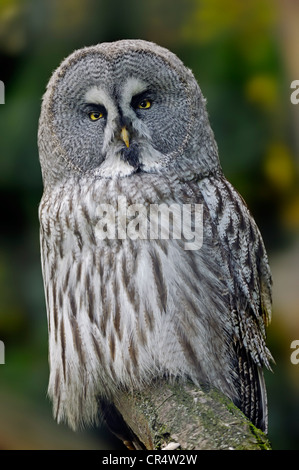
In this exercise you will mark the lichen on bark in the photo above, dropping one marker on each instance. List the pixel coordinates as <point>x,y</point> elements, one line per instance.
<point>195,418</point>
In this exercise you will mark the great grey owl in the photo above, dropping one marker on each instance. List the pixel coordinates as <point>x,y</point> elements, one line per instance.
<point>124,136</point>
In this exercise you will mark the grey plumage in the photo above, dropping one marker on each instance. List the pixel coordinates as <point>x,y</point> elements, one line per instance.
<point>121,311</point>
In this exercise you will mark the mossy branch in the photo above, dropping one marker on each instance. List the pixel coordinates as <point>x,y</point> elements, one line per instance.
<point>182,416</point>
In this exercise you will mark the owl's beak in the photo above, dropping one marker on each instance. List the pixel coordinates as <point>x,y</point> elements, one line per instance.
<point>125,136</point>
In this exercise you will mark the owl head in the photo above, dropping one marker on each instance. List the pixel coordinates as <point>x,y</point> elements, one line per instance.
<point>118,108</point>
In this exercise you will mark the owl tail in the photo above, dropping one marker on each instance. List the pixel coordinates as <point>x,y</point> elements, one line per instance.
<point>252,396</point>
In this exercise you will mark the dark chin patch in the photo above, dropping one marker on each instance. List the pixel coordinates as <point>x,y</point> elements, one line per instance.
<point>131,155</point>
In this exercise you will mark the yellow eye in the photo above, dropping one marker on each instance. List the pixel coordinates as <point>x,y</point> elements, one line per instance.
<point>95,115</point>
<point>144,104</point>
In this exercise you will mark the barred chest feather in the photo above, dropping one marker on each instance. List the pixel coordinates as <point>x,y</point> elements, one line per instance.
<point>123,311</point>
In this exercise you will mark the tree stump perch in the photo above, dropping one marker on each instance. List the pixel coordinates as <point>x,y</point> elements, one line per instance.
<point>186,417</point>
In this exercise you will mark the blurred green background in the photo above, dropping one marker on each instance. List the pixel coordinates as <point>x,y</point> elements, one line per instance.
<point>244,55</point>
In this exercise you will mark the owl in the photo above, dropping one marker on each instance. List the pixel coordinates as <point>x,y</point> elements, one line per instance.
<point>124,130</point>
